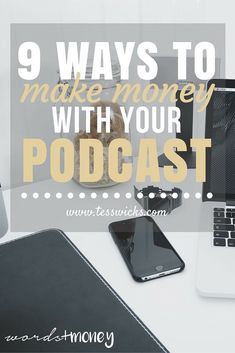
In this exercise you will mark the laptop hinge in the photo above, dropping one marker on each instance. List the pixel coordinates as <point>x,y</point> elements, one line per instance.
<point>230,203</point>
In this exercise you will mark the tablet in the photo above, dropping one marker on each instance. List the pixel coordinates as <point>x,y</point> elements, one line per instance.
<point>53,300</point>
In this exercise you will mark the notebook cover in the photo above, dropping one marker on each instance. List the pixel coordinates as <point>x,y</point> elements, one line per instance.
<point>53,300</point>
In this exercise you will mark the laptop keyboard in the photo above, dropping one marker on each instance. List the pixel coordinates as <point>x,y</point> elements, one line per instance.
<point>224,227</point>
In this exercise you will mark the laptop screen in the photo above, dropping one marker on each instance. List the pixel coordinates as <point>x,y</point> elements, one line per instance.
<point>221,130</point>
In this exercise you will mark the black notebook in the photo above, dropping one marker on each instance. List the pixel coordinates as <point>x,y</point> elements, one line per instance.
<point>53,300</point>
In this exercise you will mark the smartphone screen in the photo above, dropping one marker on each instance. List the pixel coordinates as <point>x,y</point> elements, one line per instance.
<point>145,248</point>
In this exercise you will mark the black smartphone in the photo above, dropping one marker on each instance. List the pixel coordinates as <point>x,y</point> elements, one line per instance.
<point>145,249</point>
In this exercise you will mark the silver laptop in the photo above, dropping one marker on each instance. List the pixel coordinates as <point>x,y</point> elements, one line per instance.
<point>216,249</point>
<point>3,216</point>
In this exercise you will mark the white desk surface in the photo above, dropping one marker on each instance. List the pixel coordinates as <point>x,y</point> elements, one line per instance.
<point>182,320</point>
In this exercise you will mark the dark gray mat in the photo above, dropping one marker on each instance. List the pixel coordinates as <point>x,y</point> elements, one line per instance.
<point>46,283</point>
